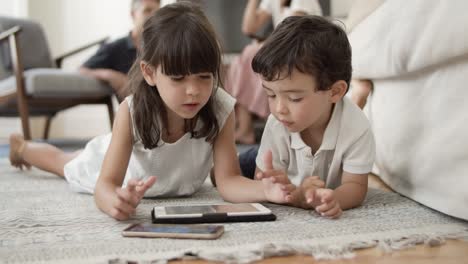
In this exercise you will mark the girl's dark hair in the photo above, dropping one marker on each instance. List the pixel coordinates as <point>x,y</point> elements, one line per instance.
<point>310,44</point>
<point>180,39</point>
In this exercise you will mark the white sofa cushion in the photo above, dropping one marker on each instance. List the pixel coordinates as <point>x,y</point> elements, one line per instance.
<point>416,52</point>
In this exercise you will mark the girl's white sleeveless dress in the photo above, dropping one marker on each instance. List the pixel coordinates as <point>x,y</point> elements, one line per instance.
<point>181,167</point>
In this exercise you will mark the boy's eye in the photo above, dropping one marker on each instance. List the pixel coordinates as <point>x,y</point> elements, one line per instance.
<point>295,99</point>
<point>271,95</point>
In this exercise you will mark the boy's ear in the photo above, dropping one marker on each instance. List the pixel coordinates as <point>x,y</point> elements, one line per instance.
<point>148,73</point>
<point>338,90</point>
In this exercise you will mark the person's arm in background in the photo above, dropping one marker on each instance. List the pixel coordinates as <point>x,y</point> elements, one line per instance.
<point>101,66</point>
<point>254,18</point>
<point>115,79</point>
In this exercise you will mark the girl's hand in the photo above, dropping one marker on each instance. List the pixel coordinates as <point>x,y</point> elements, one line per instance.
<point>328,205</point>
<point>129,197</point>
<point>277,192</point>
<point>276,176</point>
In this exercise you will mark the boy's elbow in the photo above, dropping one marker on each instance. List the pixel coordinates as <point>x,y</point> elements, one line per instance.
<point>360,199</point>
<point>353,201</point>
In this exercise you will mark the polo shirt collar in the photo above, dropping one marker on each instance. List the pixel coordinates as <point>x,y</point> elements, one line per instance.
<point>330,136</point>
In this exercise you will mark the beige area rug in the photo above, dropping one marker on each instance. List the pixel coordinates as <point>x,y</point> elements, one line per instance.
<point>41,220</point>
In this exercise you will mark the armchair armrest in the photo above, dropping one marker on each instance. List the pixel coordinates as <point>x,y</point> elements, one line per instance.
<point>59,60</point>
<point>7,33</point>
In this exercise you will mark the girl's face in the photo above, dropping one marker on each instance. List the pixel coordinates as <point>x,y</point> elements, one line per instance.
<point>183,95</point>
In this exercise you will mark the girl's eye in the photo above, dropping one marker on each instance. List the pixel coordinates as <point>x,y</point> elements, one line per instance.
<point>205,76</point>
<point>271,95</point>
<point>177,78</point>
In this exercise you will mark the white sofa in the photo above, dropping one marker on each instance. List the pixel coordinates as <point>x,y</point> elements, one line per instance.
<point>416,52</point>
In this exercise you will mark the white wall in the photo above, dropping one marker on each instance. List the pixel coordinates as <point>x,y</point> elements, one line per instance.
<point>340,8</point>
<point>16,8</point>
<point>69,24</point>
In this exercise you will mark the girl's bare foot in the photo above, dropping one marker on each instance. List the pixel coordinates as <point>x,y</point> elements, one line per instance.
<point>17,146</point>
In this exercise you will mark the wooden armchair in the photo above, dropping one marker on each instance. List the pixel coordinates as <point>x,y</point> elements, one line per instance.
<point>31,83</point>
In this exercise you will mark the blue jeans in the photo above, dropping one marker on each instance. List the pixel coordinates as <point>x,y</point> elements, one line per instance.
<point>247,162</point>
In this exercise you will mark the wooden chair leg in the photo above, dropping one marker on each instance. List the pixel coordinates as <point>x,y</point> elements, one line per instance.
<point>110,109</point>
<point>47,126</point>
<point>24,115</point>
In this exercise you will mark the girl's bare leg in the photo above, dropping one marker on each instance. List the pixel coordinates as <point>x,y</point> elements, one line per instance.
<point>41,155</point>
<point>244,133</point>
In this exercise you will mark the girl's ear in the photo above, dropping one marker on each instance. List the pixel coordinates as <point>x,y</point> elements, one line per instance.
<point>149,73</point>
<point>338,90</point>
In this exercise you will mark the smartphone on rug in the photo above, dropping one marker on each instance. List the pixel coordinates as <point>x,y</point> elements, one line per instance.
<point>173,231</point>
<point>212,213</point>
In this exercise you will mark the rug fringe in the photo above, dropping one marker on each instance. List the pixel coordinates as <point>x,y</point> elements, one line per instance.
<point>327,252</point>
<point>433,240</point>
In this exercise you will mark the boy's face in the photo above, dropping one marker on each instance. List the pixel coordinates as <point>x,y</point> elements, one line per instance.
<point>296,103</point>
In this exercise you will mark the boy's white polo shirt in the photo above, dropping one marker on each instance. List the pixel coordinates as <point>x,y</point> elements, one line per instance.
<point>348,145</point>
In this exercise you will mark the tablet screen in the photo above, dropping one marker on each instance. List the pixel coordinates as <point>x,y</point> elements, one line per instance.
<point>203,209</point>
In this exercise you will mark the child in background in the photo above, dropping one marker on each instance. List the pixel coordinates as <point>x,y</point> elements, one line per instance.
<point>175,125</point>
<point>315,138</point>
<point>241,82</point>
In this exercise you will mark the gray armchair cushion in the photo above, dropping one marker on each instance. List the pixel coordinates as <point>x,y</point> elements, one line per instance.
<point>57,83</point>
<point>3,71</point>
<point>33,44</point>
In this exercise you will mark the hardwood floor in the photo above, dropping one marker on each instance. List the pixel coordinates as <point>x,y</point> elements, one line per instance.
<point>452,252</point>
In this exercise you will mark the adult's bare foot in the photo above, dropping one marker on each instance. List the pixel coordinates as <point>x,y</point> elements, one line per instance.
<point>17,146</point>
<point>360,91</point>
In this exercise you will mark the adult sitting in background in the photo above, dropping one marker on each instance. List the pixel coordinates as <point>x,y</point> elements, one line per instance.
<point>112,61</point>
<point>241,82</point>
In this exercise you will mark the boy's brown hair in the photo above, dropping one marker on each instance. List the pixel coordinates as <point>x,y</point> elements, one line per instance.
<point>310,44</point>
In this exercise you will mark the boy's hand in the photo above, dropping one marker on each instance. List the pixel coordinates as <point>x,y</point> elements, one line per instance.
<point>327,204</point>
<point>307,188</point>
<point>277,192</point>
<point>129,197</point>
<point>276,176</point>
<point>312,181</point>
